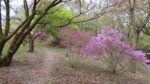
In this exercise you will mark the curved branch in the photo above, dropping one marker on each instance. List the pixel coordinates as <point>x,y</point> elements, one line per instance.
<point>146,31</point>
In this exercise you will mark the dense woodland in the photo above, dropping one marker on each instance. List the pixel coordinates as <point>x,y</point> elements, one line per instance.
<point>74,41</point>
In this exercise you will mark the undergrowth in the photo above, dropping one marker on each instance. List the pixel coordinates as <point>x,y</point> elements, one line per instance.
<point>78,71</point>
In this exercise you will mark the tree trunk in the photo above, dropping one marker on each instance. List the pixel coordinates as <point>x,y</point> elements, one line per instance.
<point>22,30</point>
<point>136,38</point>
<point>7,60</point>
<point>132,4</point>
<point>135,45</point>
<point>31,46</point>
<point>133,65</point>
<point>15,44</point>
<point>8,57</point>
<point>2,44</point>
<point>31,43</point>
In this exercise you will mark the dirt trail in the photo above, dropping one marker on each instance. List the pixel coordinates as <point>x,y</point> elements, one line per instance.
<point>30,68</point>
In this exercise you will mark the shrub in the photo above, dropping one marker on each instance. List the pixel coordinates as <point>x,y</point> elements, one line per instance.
<point>42,34</point>
<point>78,71</point>
<point>74,40</point>
<point>115,53</point>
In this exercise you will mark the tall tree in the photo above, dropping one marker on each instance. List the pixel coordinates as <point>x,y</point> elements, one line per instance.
<point>134,16</point>
<point>22,30</point>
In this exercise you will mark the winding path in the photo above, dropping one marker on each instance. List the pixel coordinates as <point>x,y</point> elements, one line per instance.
<point>31,68</point>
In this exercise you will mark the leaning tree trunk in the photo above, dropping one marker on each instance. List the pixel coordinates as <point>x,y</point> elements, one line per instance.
<point>15,44</point>
<point>23,29</point>
<point>2,44</point>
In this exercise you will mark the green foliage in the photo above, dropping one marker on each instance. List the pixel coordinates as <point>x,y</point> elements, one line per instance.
<point>53,32</point>
<point>59,17</point>
<point>37,27</point>
<point>144,43</point>
<point>74,26</point>
<point>56,17</point>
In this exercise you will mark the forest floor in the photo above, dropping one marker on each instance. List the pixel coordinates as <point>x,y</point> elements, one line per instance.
<point>31,68</point>
<point>50,66</point>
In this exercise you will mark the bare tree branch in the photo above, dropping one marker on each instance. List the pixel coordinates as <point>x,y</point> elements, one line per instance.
<point>26,8</point>
<point>102,12</point>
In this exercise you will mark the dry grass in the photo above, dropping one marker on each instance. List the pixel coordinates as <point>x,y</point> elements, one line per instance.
<point>22,69</point>
<point>86,72</point>
<point>37,68</point>
<point>30,68</point>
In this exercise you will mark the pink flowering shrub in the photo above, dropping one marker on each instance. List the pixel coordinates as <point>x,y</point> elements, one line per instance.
<point>74,40</point>
<point>41,35</point>
<point>110,47</point>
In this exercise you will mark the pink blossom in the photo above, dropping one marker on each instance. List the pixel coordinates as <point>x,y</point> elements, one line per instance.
<point>74,40</point>
<point>111,40</point>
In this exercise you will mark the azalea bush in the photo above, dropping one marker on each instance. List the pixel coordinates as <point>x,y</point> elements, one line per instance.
<point>42,34</point>
<point>74,40</point>
<point>115,53</point>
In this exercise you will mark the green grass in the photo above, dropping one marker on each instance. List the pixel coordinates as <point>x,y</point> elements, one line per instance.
<point>23,48</point>
<point>77,63</point>
<point>144,43</point>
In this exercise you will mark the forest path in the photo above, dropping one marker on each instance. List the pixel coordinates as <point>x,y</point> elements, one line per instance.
<point>31,68</point>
